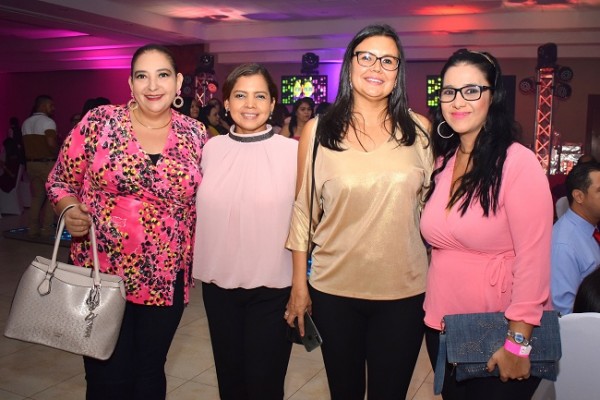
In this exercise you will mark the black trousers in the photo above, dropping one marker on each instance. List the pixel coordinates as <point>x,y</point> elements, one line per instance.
<point>368,343</point>
<point>249,341</point>
<point>481,388</point>
<point>136,369</point>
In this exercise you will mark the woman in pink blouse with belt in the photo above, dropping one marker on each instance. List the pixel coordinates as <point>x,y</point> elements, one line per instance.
<point>488,218</point>
<point>133,172</point>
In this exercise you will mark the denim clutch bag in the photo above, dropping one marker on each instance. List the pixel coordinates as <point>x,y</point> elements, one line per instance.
<point>469,340</point>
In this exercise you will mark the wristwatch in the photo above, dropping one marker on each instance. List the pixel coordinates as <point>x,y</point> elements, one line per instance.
<point>518,337</point>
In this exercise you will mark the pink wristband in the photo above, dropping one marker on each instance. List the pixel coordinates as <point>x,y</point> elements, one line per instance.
<point>517,349</point>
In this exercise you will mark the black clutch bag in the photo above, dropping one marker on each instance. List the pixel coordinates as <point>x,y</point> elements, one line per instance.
<point>469,340</point>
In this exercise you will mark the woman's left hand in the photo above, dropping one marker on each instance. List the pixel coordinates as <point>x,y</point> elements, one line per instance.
<point>510,365</point>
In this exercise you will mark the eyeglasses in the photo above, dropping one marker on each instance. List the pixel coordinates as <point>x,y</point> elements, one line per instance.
<point>469,93</point>
<point>366,59</point>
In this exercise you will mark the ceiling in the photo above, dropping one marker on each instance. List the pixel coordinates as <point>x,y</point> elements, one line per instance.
<point>52,35</point>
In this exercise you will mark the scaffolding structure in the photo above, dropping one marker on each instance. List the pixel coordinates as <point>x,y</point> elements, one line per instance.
<point>543,121</point>
<point>205,86</point>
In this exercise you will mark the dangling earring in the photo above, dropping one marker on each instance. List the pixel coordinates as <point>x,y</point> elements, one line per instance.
<point>178,100</point>
<point>226,111</point>
<point>440,133</point>
<point>271,116</point>
<point>132,104</point>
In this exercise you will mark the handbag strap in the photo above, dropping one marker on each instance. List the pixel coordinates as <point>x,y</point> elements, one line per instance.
<point>440,366</point>
<point>44,287</point>
<point>312,191</point>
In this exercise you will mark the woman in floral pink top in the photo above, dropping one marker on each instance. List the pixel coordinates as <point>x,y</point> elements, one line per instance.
<point>133,172</point>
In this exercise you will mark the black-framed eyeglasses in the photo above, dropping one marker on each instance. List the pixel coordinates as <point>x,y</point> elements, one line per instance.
<point>366,59</point>
<point>469,93</point>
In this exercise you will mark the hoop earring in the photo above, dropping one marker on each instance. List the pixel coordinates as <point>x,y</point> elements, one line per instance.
<point>132,103</point>
<point>178,100</point>
<point>440,133</point>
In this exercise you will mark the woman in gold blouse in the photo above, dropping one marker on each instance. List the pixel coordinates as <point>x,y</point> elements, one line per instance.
<point>367,281</point>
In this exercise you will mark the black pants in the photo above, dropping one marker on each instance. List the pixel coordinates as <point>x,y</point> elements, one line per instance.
<point>381,337</point>
<point>481,388</point>
<point>249,341</point>
<point>136,369</point>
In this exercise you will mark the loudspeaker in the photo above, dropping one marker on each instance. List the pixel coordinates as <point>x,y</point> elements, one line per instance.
<point>547,55</point>
<point>527,85</point>
<point>206,64</point>
<point>510,85</point>
<point>565,74</point>
<point>187,88</point>
<point>310,62</point>
<point>562,91</point>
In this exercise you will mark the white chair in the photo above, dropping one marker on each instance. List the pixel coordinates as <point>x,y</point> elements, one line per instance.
<point>545,391</point>
<point>11,203</point>
<point>578,376</point>
<point>561,206</point>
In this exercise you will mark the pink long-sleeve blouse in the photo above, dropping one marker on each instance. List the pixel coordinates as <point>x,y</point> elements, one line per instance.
<point>499,263</point>
<point>143,213</point>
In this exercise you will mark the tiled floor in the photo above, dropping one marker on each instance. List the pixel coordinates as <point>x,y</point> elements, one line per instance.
<point>29,371</point>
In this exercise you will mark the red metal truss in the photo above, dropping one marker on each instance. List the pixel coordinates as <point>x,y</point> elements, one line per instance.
<point>543,121</point>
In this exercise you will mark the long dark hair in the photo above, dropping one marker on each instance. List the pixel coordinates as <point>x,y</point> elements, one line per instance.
<point>294,118</point>
<point>499,131</point>
<point>334,124</point>
<point>205,112</point>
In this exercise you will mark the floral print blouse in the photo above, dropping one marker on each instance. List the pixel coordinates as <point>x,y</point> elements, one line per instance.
<point>144,214</point>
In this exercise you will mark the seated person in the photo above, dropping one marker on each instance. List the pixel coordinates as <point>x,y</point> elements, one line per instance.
<point>575,249</point>
<point>588,294</point>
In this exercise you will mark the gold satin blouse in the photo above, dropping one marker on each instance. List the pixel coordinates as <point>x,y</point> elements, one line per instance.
<point>365,220</point>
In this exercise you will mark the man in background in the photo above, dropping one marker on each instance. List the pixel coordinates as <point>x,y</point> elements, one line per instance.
<point>41,148</point>
<point>575,237</point>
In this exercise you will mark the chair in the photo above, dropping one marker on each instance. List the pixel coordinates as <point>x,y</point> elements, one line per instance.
<point>578,376</point>
<point>11,203</point>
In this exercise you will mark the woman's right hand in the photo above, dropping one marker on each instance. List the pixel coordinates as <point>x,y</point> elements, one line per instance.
<point>77,220</point>
<point>298,304</point>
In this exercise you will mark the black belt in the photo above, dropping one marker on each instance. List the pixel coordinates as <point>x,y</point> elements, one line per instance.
<point>42,160</point>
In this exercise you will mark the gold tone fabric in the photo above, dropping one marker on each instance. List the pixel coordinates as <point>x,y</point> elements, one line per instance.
<point>367,240</point>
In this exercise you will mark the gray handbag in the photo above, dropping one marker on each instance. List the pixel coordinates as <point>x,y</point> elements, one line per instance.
<point>67,307</point>
<point>469,340</point>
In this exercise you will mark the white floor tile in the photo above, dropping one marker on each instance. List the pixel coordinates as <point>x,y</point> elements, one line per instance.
<point>33,372</point>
